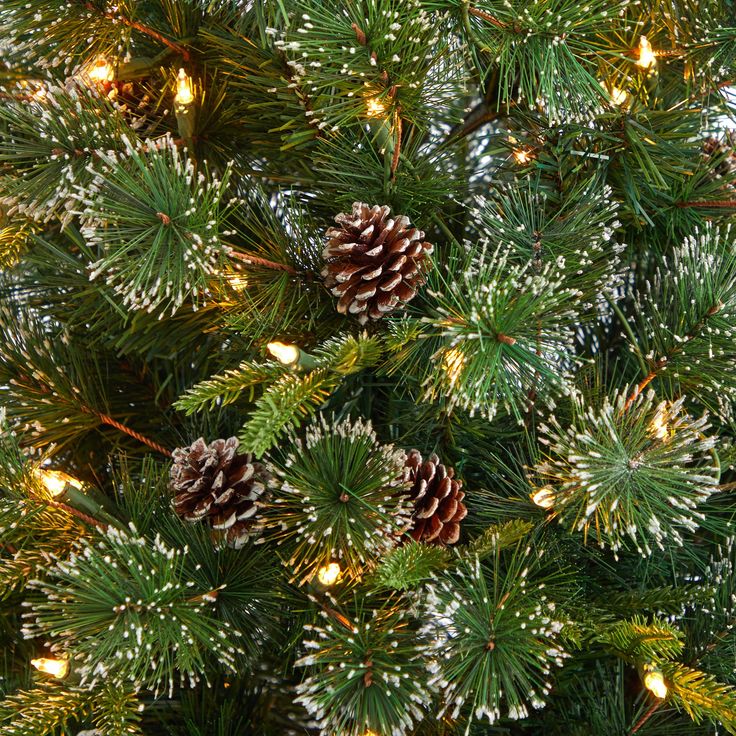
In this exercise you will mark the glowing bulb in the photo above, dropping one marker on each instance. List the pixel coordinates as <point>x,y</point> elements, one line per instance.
<point>100,71</point>
<point>647,58</point>
<point>522,156</point>
<point>287,354</point>
<point>56,481</point>
<point>375,108</point>
<point>654,682</point>
<point>328,574</point>
<point>58,668</point>
<point>453,362</point>
<point>370,733</point>
<point>184,93</point>
<point>658,427</point>
<point>618,96</point>
<point>237,282</point>
<point>544,497</point>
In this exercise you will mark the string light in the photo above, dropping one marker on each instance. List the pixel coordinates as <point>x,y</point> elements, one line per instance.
<point>658,426</point>
<point>374,107</point>
<point>184,92</point>
<point>56,481</point>
<point>58,668</point>
<point>453,362</point>
<point>237,281</point>
<point>647,58</point>
<point>654,682</point>
<point>100,71</point>
<point>328,574</point>
<point>522,156</point>
<point>618,96</point>
<point>286,354</point>
<point>543,497</point>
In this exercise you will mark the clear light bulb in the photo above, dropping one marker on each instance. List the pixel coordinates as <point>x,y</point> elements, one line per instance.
<point>100,70</point>
<point>647,58</point>
<point>55,481</point>
<point>184,92</point>
<point>286,354</point>
<point>374,107</point>
<point>654,682</point>
<point>58,668</point>
<point>328,574</point>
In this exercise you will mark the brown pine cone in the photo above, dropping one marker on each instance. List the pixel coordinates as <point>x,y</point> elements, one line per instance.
<point>213,483</point>
<point>373,262</point>
<point>723,149</point>
<point>438,500</point>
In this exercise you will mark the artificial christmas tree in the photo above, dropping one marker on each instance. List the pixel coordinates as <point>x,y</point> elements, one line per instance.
<point>458,460</point>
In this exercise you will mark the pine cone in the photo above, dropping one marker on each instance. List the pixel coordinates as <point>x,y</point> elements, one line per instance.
<point>213,483</point>
<point>438,500</point>
<point>722,149</point>
<point>374,263</point>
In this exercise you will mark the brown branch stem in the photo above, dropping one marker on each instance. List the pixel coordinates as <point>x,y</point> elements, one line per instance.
<point>639,388</point>
<point>486,17</point>
<point>258,261</point>
<point>141,28</point>
<point>725,204</point>
<point>650,712</point>
<point>105,419</point>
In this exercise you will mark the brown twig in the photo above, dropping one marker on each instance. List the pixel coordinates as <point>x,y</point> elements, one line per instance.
<point>106,419</point>
<point>173,45</point>
<point>656,705</point>
<point>640,387</point>
<point>724,204</point>
<point>258,261</point>
<point>505,339</point>
<point>487,17</point>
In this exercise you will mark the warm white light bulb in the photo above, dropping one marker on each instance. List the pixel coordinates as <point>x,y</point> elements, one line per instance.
<point>374,107</point>
<point>287,354</point>
<point>100,71</point>
<point>618,96</point>
<point>237,281</point>
<point>654,682</point>
<point>544,497</point>
<point>328,574</point>
<point>58,668</point>
<point>56,481</point>
<point>647,58</point>
<point>184,92</point>
<point>522,156</point>
<point>658,427</point>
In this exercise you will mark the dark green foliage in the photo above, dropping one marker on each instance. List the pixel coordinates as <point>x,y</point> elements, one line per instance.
<point>495,636</point>
<point>373,663</point>
<point>628,469</point>
<point>148,604</point>
<point>580,215</point>
<point>339,495</point>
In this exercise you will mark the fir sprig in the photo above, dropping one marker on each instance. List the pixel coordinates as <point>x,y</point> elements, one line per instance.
<point>157,225</point>
<point>494,635</point>
<point>340,495</point>
<point>626,469</point>
<point>365,674</point>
